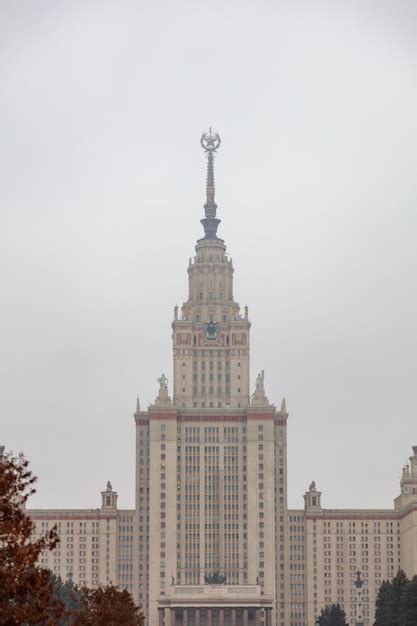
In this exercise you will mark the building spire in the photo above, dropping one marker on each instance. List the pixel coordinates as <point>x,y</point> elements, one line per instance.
<point>210,143</point>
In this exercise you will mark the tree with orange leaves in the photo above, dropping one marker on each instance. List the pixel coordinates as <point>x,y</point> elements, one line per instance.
<point>26,592</point>
<point>108,605</point>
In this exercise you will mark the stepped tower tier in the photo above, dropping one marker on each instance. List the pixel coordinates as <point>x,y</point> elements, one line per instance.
<point>211,336</point>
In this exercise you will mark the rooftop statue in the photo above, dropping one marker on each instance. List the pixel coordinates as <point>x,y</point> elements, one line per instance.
<point>163,382</point>
<point>260,381</point>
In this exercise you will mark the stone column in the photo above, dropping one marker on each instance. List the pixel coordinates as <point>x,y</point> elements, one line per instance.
<point>197,617</point>
<point>161,617</point>
<point>257,617</point>
<point>221,617</point>
<point>268,617</point>
<point>245,617</point>
<point>233,617</point>
<point>209,617</point>
<point>185,617</point>
<point>169,617</point>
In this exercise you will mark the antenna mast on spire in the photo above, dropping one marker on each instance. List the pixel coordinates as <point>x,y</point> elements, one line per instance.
<point>210,143</point>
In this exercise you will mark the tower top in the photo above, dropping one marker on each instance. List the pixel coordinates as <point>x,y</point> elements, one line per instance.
<point>109,498</point>
<point>210,143</point>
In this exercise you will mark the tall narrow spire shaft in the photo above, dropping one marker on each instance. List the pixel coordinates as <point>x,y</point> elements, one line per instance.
<point>210,143</point>
<point>210,206</point>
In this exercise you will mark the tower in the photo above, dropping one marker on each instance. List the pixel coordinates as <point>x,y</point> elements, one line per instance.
<point>109,498</point>
<point>406,505</point>
<point>210,337</point>
<point>312,498</point>
<point>211,493</point>
<point>408,483</point>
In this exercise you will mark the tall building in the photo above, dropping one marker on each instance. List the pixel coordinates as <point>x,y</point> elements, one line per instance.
<point>211,462</point>
<point>211,541</point>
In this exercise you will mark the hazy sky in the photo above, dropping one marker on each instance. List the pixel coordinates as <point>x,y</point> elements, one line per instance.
<point>102,106</point>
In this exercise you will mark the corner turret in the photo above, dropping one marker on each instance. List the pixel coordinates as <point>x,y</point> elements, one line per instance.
<point>408,483</point>
<point>312,498</point>
<point>109,498</point>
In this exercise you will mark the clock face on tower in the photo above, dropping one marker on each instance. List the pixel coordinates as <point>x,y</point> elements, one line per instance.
<point>211,330</point>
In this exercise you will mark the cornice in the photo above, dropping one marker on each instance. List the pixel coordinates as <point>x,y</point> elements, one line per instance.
<point>359,514</point>
<point>74,514</point>
<point>142,418</point>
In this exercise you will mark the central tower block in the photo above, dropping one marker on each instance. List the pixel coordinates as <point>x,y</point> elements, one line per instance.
<point>211,490</point>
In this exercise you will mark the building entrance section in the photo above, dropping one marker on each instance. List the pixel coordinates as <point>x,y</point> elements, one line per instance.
<point>215,617</point>
<point>215,605</point>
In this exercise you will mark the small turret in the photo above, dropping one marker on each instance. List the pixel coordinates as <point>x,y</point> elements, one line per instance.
<point>413,462</point>
<point>109,498</point>
<point>312,498</point>
<point>408,483</point>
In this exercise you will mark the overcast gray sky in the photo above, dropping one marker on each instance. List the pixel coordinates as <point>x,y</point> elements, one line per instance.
<point>102,106</point>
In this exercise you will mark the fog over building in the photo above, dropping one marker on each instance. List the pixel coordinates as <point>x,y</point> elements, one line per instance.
<point>211,541</point>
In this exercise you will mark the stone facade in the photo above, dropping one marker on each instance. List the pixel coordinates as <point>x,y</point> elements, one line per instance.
<point>96,545</point>
<point>327,547</point>
<point>211,490</point>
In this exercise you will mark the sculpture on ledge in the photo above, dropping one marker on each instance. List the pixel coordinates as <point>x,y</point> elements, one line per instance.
<point>258,398</point>
<point>260,381</point>
<point>163,382</point>
<point>215,579</point>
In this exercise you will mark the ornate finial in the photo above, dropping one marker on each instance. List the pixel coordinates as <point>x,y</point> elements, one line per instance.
<point>210,143</point>
<point>313,485</point>
<point>176,312</point>
<point>137,405</point>
<point>283,406</point>
<point>109,487</point>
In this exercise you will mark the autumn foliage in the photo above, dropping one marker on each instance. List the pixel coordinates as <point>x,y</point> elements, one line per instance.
<point>30,594</point>
<point>108,605</point>
<point>25,589</point>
